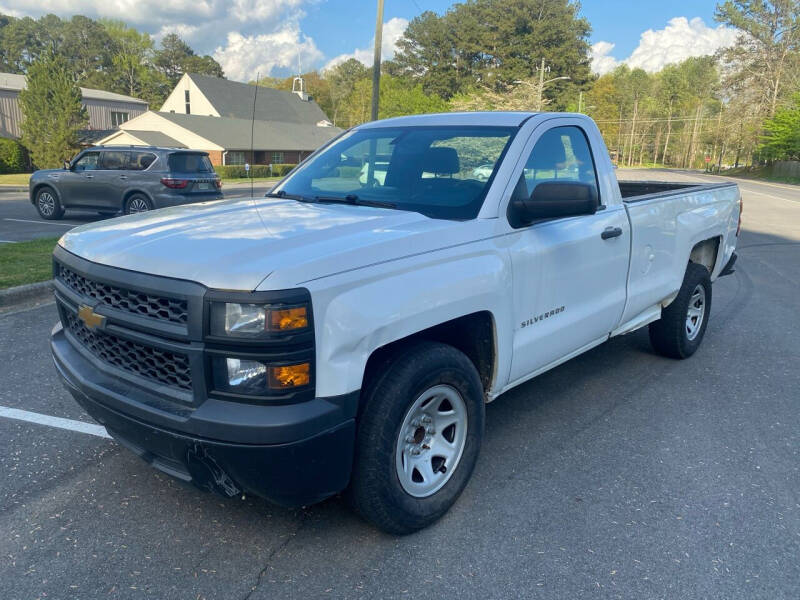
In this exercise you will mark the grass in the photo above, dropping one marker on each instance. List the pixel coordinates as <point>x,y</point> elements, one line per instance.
<point>14,178</point>
<point>763,173</point>
<point>26,262</point>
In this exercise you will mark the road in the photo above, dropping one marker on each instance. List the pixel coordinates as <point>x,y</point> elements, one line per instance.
<point>619,474</point>
<point>19,220</point>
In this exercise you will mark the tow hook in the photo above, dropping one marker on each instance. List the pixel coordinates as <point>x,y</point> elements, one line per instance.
<point>207,474</point>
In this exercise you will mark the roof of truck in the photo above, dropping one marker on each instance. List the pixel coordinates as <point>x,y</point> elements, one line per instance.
<point>488,118</point>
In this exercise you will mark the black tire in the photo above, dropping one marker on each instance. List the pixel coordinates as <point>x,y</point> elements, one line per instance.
<point>672,335</point>
<point>376,492</point>
<point>47,204</point>
<point>137,200</point>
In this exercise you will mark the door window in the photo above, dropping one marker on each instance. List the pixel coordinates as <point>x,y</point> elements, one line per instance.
<point>561,154</point>
<point>139,161</point>
<point>114,160</point>
<point>87,162</point>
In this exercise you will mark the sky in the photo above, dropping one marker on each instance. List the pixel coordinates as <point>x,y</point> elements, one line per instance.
<point>278,37</point>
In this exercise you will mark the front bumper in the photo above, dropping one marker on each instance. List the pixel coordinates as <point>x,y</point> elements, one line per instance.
<point>293,454</point>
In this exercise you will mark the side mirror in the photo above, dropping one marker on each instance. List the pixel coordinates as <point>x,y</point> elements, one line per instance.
<point>553,199</point>
<point>67,165</point>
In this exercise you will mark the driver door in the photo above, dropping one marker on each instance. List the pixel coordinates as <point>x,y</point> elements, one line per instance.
<point>77,185</point>
<point>568,276</point>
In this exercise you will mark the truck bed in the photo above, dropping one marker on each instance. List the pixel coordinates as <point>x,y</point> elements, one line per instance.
<point>637,191</point>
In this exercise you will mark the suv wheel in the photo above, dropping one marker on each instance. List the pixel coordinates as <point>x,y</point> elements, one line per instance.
<point>47,204</point>
<point>137,203</point>
<point>419,436</point>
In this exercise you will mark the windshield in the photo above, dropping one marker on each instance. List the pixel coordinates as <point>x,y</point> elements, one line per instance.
<point>441,172</point>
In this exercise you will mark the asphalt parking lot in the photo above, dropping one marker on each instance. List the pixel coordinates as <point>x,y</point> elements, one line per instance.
<point>19,220</point>
<point>620,474</point>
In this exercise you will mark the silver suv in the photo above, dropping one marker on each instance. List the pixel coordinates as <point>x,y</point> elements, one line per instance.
<point>113,179</point>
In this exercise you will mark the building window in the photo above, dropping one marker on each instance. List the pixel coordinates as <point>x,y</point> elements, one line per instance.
<point>118,118</point>
<point>234,158</point>
<point>186,99</point>
<point>277,158</point>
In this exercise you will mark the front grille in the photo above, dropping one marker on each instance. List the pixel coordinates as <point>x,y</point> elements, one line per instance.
<point>138,303</point>
<point>168,368</point>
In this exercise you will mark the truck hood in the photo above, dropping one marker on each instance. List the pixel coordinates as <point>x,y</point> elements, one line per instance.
<point>237,244</point>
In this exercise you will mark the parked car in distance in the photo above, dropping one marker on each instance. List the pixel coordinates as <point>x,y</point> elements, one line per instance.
<point>345,336</point>
<point>483,172</point>
<point>114,179</point>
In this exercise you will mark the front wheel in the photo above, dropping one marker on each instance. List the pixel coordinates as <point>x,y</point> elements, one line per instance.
<point>419,436</point>
<point>48,205</point>
<point>683,323</point>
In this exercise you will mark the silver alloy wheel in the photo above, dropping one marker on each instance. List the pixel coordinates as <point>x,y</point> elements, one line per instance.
<point>431,441</point>
<point>696,312</point>
<point>137,205</point>
<point>46,203</point>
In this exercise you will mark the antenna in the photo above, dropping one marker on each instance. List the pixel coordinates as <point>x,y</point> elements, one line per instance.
<point>252,133</point>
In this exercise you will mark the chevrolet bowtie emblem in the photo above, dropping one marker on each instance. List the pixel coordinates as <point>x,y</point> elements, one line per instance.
<point>90,318</point>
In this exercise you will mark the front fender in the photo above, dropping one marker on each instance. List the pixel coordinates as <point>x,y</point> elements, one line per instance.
<point>360,312</point>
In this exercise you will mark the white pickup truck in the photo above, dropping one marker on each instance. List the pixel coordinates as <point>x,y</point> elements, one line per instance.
<point>345,332</point>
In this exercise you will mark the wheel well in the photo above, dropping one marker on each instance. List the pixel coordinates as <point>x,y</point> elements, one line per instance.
<point>473,334</point>
<point>44,185</point>
<point>705,253</point>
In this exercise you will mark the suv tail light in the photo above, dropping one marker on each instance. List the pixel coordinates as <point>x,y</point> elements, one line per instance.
<point>175,184</point>
<point>218,183</point>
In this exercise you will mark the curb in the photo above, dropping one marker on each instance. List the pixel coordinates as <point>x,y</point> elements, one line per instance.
<point>13,188</point>
<point>29,293</point>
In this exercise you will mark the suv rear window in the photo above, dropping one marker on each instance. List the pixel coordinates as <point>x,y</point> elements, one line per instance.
<point>186,162</point>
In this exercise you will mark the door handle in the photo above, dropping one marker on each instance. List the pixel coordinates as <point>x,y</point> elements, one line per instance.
<point>89,176</point>
<point>611,232</point>
<point>123,176</point>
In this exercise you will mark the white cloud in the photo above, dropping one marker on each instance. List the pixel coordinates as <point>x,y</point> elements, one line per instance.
<point>393,30</point>
<point>243,57</point>
<point>602,63</point>
<point>679,40</point>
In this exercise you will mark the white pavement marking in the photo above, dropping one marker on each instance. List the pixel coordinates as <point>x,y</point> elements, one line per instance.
<point>7,242</point>
<point>32,417</point>
<point>42,222</point>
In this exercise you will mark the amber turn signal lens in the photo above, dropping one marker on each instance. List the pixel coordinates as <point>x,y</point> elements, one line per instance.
<point>281,378</point>
<point>288,318</point>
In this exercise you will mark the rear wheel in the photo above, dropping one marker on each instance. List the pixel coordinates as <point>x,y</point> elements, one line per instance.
<point>680,330</point>
<point>48,205</point>
<point>138,203</point>
<point>419,436</point>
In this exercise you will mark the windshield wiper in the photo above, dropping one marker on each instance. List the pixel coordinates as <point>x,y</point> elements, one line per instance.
<point>355,201</point>
<point>282,194</point>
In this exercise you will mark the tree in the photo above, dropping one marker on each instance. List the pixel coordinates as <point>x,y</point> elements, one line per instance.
<point>782,132</point>
<point>766,53</point>
<point>176,58</point>
<point>88,48</point>
<point>52,111</point>
<point>493,43</point>
<point>342,80</point>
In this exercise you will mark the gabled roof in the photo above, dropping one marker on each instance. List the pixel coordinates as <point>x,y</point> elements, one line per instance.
<point>16,83</point>
<point>235,100</point>
<point>155,138</point>
<point>235,134</point>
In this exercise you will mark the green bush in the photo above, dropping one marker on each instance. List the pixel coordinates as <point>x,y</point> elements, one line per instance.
<point>256,171</point>
<point>13,158</point>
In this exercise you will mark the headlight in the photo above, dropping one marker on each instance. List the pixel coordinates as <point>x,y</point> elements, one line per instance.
<point>255,378</point>
<point>254,320</point>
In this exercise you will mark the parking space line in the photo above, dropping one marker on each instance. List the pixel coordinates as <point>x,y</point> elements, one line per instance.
<point>40,419</point>
<point>7,242</point>
<point>62,224</point>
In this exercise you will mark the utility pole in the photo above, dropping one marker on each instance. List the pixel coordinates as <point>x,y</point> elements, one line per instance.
<point>376,62</point>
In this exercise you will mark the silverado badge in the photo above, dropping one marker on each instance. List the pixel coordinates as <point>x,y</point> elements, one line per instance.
<point>90,318</point>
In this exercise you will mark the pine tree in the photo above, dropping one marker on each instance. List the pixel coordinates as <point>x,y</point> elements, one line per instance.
<point>52,112</point>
